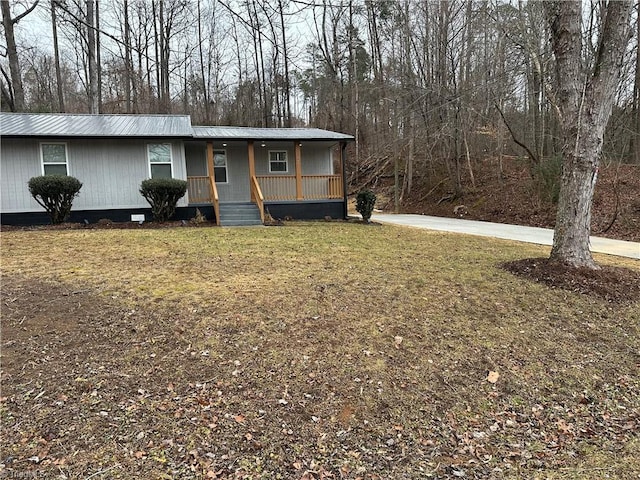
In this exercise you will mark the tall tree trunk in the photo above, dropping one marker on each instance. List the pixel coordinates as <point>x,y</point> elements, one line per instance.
<point>12,53</point>
<point>203,77</point>
<point>163,33</point>
<point>128,67</point>
<point>635,138</point>
<point>266,110</point>
<point>5,94</point>
<point>98,57</point>
<point>380,110</point>
<point>156,43</point>
<point>94,104</point>
<point>56,55</point>
<point>17,94</point>
<point>584,108</point>
<point>287,85</point>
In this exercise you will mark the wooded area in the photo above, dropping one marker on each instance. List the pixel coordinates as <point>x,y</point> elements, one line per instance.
<point>427,87</point>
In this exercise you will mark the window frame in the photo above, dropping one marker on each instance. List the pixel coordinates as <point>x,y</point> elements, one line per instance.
<point>66,157</point>
<point>170,162</point>
<point>286,161</point>
<point>226,165</point>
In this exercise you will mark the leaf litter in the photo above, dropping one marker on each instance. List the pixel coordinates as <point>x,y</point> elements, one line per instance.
<point>102,379</point>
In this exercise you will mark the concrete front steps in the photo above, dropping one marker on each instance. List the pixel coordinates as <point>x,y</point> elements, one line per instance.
<point>239,214</point>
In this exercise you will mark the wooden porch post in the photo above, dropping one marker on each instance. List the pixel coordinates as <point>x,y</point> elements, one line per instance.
<point>343,166</point>
<point>252,164</point>
<point>213,197</point>
<point>298,154</point>
<point>210,160</point>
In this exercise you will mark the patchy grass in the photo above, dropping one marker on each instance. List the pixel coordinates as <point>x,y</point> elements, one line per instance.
<point>317,350</point>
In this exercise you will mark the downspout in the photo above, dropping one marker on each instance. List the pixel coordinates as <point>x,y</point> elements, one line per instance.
<point>343,161</point>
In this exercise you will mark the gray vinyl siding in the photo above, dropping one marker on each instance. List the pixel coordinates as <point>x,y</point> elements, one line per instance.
<point>315,158</point>
<point>237,188</point>
<point>20,162</point>
<point>196,154</point>
<point>110,170</point>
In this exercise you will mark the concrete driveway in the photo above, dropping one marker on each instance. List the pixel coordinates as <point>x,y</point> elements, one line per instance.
<point>541,236</point>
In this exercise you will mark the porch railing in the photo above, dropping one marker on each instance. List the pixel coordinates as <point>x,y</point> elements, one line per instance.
<point>273,187</point>
<point>277,187</point>
<point>322,186</point>
<point>203,190</point>
<point>314,187</point>
<point>199,189</point>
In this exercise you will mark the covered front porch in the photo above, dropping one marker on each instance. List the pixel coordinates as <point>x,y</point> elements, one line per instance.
<point>267,172</point>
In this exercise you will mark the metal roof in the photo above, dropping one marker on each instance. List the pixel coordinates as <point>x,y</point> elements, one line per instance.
<point>254,133</point>
<point>71,125</point>
<point>105,125</point>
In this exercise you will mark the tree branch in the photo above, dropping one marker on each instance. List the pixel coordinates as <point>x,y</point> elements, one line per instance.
<point>513,136</point>
<point>25,13</point>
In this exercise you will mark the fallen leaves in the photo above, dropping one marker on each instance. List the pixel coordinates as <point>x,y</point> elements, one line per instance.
<point>362,401</point>
<point>346,413</point>
<point>492,377</point>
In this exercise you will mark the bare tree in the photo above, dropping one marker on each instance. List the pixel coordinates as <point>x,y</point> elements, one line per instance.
<point>285,54</point>
<point>584,105</point>
<point>94,97</point>
<point>635,138</point>
<point>203,76</point>
<point>56,54</point>
<point>8,22</point>
<point>128,67</point>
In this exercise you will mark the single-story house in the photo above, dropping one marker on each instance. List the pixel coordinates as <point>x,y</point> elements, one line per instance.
<point>235,175</point>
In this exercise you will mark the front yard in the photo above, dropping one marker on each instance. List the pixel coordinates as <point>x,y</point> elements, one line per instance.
<point>314,350</point>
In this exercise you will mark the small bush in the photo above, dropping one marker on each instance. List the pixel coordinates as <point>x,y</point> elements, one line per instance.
<point>163,195</point>
<point>365,201</point>
<point>55,193</point>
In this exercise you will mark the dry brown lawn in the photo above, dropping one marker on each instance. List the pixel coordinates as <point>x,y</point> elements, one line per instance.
<point>313,350</point>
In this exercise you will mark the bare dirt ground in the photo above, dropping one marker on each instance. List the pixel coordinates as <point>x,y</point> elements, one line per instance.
<point>101,390</point>
<point>613,284</point>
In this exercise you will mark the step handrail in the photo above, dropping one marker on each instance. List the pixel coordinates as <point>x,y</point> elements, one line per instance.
<point>256,194</point>
<point>214,199</point>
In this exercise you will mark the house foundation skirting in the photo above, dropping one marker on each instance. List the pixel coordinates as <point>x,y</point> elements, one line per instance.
<point>297,210</point>
<point>306,210</point>
<point>93,216</point>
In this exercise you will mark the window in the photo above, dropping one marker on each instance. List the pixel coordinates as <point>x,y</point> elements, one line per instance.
<point>54,158</point>
<point>220,166</point>
<point>278,162</point>
<point>160,164</point>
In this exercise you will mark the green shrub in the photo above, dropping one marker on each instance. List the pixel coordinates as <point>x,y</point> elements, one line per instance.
<point>365,201</point>
<point>163,195</point>
<point>55,193</point>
